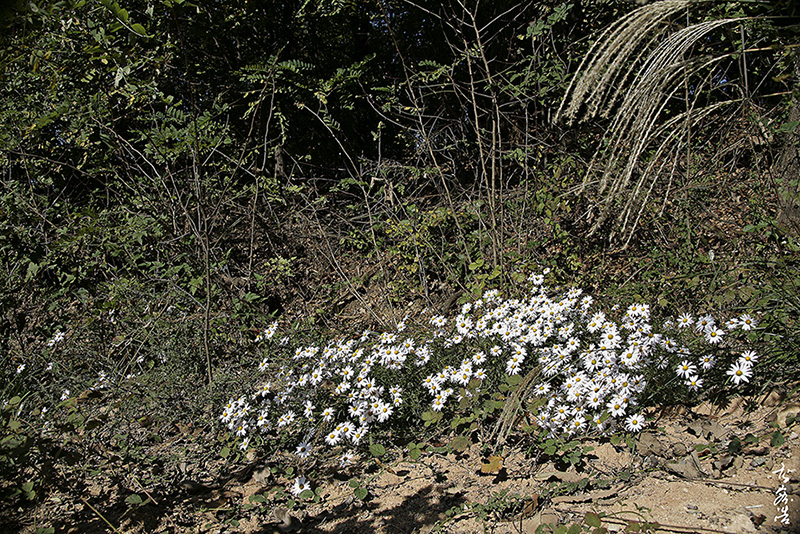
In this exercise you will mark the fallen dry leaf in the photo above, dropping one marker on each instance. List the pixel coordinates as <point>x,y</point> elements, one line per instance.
<point>494,465</point>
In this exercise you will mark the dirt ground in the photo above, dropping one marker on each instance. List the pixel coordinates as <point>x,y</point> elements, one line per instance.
<point>685,473</point>
<point>665,481</point>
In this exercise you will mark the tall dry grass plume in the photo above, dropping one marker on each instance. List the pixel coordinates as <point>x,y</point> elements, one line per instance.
<point>631,73</point>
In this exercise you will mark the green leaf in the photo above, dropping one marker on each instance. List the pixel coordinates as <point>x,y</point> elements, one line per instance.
<point>139,29</point>
<point>777,439</point>
<point>633,526</point>
<point>307,494</point>
<point>33,268</point>
<point>513,380</point>
<point>461,443</point>
<point>477,264</point>
<point>133,499</point>
<point>257,497</point>
<point>377,450</point>
<point>592,519</point>
<point>225,452</point>
<point>360,493</point>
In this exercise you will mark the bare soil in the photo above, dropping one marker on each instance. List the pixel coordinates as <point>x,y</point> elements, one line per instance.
<point>682,474</point>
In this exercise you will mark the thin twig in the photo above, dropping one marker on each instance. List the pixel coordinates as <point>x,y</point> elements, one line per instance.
<point>149,496</point>
<point>95,510</point>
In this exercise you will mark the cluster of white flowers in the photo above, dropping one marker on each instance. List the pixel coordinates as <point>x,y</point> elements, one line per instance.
<point>740,370</point>
<point>57,338</point>
<point>268,332</point>
<point>104,381</point>
<point>592,367</point>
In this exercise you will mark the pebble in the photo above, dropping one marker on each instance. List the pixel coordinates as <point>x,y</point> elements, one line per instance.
<point>679,449</point>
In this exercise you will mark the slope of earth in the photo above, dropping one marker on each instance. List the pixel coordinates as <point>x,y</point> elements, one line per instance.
<point>705,469</point>
<point>687,473</point>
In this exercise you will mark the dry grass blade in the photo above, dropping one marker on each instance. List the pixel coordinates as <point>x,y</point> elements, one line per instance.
<point>602,68</point>
<point>511,408</point>
<point>673,143</point>
<point>605,78</point>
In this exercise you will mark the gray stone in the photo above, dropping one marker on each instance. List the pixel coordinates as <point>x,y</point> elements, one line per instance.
<point>679,449</point>
<point>649,444</point>
<point>684,468</point>
<point>695,427</point>
<point>713,431</point>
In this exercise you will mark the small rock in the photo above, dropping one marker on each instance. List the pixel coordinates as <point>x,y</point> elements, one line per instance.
<point>679,449</point>
<point>758,451</point>
<point>193,488</point>
<point>741,523</point>
<point>685,468</point>
<point>649,444</point>
<point>650,462</point>
<point>289,523</point>
<point>738,462</point>
<point>545,517</point>
<point>758,462</point>
<point>696,459</point>
<point>774,398</point>
<point>456,489</point>
<point>260,476</point>
<point>725,462</point>
<point>787,416</point>
<point>695,427</point>
<point>691,507</point>
<point>734,406</point>
<point>712,430</point>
